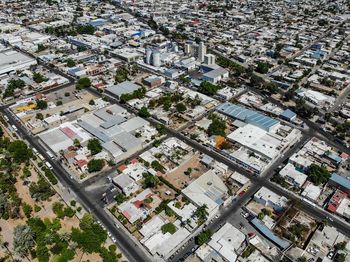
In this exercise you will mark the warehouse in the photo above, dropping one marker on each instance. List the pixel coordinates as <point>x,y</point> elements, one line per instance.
<point>248,116</point>
<point>11,61</point>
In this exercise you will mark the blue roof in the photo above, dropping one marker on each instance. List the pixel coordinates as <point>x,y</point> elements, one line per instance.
<point>340,180</point>
<point>334,157</point>
<point>288,114</point>
<point>281,243</point>
<point>247,115</point>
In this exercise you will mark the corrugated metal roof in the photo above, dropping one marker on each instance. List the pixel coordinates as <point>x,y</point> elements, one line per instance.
<point>340,180</point>
<point>281,243</point>
<point>247,115</point>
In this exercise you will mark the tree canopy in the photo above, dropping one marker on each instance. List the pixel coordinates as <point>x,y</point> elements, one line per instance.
<point>217,127</point>
<point>19,151</point>
<point>203,237</point>
<point>208,88</point>
<point>168,228</point>
<point>318,175</point>
<point>94,146</point>
<point>41,104</point>
<point>83,82</point>
<point>143,112</point>
<point>95,165</point>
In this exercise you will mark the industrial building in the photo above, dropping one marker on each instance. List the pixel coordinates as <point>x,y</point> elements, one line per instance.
<point>248,116</point>
<point>12,60</point>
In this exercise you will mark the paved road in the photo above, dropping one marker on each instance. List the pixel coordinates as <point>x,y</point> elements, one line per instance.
<point>126,245</point>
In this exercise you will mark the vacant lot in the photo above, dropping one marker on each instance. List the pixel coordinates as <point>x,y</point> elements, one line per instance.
<point>178,177</point>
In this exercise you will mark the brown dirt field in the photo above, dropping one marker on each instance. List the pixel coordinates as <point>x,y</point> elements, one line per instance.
<point>179,179</point>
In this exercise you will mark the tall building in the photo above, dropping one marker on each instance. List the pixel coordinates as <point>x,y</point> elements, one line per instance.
<point>209,59</point>
<point>148,55</point>
<point>188,48</point>
<point>202,51</point>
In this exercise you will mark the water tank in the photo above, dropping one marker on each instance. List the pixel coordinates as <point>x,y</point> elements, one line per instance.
<point>156,59</point>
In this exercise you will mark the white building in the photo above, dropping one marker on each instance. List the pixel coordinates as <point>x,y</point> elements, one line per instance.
<point>11,61</point>
<point>293,176</point>
<point>126,184</point>
<point>207,190</point>
<point>224,244</point>
<point>268,198</point>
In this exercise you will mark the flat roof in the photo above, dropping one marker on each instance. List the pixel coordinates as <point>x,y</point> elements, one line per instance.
<point>11,59</point>
<point>126,87</point>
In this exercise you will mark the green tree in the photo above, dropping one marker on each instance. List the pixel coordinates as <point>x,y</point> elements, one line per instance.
<point>40,48</point>
<point>12,86</point>
<point>121,74</point>
<point>208,88</point>
<point>301,259</point>
<point>70,62</point>
<point>318,174</point>
<point>41,104</point>
<point>86,29</point>
<point>19,151</point>
<point>94,146</point>
<point>201,213</point>
<point>150,180</point>
<point>40,190</point>
<point>23,239</point>
<point>203,237</point>
<point>89,239</point>
<point>340,245</point>
<point>120,198</point>
<point>27,210</point>
<point>168,228</point>
<point>262,67</point>
<point>143,112</point>
<point>38,78</point>
<point>217,127</point>
<point>39,116</point>
<point>95,165</point>
<point>83,82</point>
<point>181,107</point>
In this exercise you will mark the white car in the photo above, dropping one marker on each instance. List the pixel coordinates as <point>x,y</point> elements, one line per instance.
<point>109,234</point>
<point>245,214</point>
<point>113,239</point>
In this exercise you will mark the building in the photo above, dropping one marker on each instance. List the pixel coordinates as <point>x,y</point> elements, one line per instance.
<point>126,87</point>
<point>311,192</point>
<point>216,75</point>
<point>137,208</point>
<point>11,61</point>
<point>202,51</point>
<point>208,189</point>
<point>293,176</point>
<point>257,140</point>
<point>268,198</point>
<point>126,184</point>
<point>248,116</point>
<point>209,59</point>
<point>226,243</point>
<point>283,244</point>
<point>340,182</point>
<point>288,115</point>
